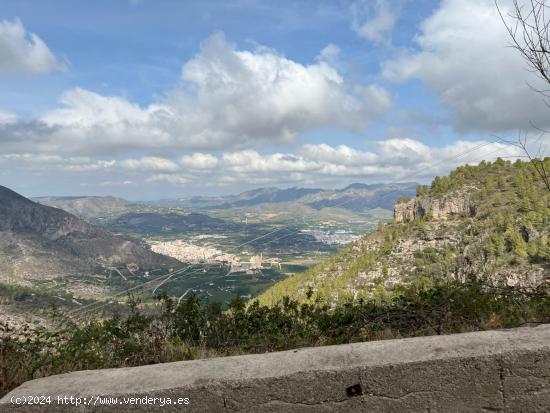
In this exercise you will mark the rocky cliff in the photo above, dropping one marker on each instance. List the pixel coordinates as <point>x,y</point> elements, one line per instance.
<point>435,208</point>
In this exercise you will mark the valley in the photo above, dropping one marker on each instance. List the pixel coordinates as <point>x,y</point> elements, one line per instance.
<point>242,247</point>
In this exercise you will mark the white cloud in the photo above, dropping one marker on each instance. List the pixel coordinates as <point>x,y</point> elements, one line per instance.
<point>250,161</point>
<point>374,19</point>
<point>7,118</point>
<point>90,123</point>
<point>87,109</point>
<point>199,161</point>
<point>264,96</point>
<point>392,160</point>
<point>340,155</point>
<point>32,157</point>
<point>87,166</point>
<point>24,52</point>
<point>117,183</point>
<point>227,98</point>
<point>398,150</point>
<point>48,162</point>
<point>330,54</point>
<point>464,58</point>
<point>149,163</point>
<point>168,179</point>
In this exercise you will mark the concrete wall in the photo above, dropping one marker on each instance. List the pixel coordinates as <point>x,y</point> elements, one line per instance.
<point>507,370</point>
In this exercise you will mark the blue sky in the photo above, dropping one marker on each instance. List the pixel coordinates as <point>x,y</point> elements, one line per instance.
<point>154,99</point>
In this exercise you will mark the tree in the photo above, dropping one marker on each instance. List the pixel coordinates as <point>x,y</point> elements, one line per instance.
<point>529,31</point>
<point>516,244</point>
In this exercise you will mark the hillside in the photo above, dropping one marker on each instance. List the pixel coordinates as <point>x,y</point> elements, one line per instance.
<point>41,242</point>
<point>86,206</point>
<point>490,221</point>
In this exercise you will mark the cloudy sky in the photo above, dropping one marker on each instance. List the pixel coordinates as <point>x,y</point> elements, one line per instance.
<point>153,99</point>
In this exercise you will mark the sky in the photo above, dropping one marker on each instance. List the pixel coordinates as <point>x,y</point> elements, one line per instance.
<point>159,99</point>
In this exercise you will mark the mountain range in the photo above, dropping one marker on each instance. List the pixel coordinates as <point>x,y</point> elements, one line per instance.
<point>356,197</point>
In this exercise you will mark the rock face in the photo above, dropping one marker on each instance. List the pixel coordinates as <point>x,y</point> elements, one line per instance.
<point>38,241</point>
<point>438,209</point>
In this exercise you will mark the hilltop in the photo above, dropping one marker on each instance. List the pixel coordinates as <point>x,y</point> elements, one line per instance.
<point>490,221</point>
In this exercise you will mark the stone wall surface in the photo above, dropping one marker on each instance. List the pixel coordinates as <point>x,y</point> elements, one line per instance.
<point>503,370</point>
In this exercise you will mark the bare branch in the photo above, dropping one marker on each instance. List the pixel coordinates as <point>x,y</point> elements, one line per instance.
<point>529,31</point>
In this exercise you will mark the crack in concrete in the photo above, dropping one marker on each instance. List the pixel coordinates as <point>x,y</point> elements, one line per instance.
<point>502,380</point>
<point>296,403</point>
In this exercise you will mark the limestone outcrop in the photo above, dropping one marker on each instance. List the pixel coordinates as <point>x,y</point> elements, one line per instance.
<point>438,209</point>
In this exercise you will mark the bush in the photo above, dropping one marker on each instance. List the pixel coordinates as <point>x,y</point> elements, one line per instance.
<point>195,329</point>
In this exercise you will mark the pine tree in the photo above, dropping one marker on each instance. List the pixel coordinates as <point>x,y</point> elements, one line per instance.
<point>515,243</point>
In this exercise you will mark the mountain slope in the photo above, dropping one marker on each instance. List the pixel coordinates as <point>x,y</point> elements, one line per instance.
<point>86,206</point>
<point>38,241</point>
<point>490,221</point>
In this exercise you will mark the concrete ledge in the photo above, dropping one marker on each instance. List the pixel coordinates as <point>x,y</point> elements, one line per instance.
<point>504,370</point>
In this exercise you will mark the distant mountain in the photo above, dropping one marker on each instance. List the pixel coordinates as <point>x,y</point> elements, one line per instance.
<point>362,186</point>
<point>357,197</point>
<point>38,241</point>
<point>360,197</point>
<point>86,206</point>
<point>268,195</point>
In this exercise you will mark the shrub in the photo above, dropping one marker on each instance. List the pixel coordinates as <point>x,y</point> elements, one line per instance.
<point>196,329</point>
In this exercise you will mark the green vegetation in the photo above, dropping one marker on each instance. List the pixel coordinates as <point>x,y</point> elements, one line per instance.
<point>504,228</point>
<point>195,329</point>
<point>33,300</point>
<point>513,213</point>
